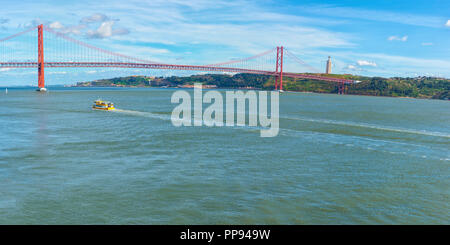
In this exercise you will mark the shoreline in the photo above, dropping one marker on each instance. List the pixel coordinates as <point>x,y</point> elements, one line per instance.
<point>162,87</point>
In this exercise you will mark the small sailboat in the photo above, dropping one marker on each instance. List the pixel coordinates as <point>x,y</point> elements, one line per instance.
<point>6,90</point>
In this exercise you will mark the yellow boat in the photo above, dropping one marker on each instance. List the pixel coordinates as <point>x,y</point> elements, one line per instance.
<point>103,105</point>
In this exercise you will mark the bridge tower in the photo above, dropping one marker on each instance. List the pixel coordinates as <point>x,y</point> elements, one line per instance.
<point>41,80</point>
<point>342,88</point>
<point>279,68</point>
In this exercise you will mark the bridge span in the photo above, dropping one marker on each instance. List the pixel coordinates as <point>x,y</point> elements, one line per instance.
<point>112,59</point>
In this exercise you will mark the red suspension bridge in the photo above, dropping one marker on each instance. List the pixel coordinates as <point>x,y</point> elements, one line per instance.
<point>63,51</point>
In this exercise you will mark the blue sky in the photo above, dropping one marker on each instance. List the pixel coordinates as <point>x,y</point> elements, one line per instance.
<point>374,38</point>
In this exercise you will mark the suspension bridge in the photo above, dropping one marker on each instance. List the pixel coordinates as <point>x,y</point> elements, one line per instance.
<point>63,51</point>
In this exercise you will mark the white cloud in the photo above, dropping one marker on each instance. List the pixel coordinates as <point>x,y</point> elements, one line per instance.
<point>427,44</point>
<point>95,18</point>
<point>106,30</point>
<point>77,29</point>
<point>56,25</point>
<point>353,68</point>
<point>358,66</point>
<point>85,25</point>
<point>448,23</point>
<point>366,63</point>
<point>397,38</point>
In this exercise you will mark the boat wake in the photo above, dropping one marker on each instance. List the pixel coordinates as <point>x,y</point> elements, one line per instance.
<point>142,114</point>
<point>168,118</point>
<point>371,126</point>
<point>326,121</point>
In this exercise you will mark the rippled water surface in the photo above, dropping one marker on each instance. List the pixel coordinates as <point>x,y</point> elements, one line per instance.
<point>337,160</point>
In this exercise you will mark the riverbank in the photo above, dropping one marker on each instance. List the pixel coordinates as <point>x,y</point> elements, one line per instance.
<point>419,87</point>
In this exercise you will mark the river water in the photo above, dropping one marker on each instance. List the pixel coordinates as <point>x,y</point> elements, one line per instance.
<point>338,159</point>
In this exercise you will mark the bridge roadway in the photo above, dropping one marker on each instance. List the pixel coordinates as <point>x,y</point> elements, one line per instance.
<point>168,67</point>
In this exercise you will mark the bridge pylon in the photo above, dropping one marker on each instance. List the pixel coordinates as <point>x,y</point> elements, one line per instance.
<point>342,88</point>
<point>41,80</point>
<point>279,69</point>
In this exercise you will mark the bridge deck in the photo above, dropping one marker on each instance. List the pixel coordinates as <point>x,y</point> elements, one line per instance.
<point>168,67</point>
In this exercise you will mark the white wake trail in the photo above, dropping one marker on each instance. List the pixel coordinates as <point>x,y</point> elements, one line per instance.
<point>168,118</point>
<point>142,114</point>
<point>365,125</point>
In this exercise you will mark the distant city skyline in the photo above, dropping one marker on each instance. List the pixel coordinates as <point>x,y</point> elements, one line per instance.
<point>376,38</point>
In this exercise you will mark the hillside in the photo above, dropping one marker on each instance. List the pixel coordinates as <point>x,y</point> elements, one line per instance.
<point>419,87</point>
